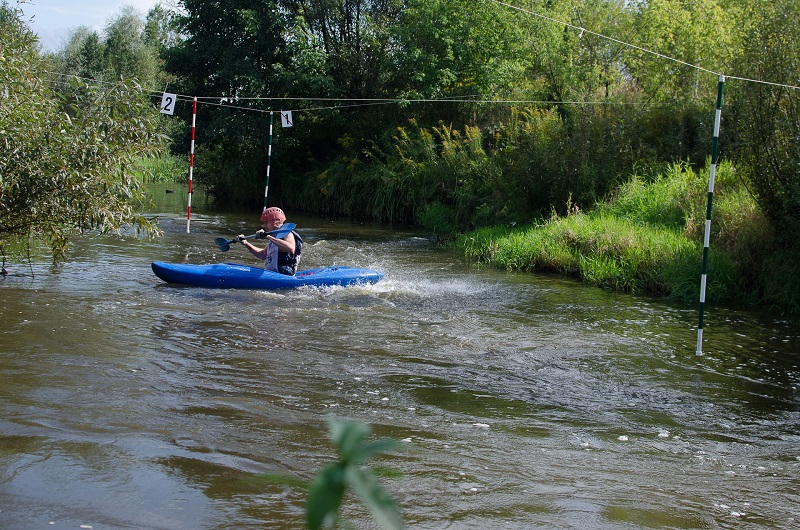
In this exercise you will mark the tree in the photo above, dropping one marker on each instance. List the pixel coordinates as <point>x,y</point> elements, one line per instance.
<point>353,35</point>
<point>83,55</point>
<point>765,119</point>
<point>457,48</point>
<point>235,51</point>
<point>59,172</point>
<point>229,47</point>
<point>695,32</point>
<point>127,49</point>
<point>127,52</point>
<point>160,30</point>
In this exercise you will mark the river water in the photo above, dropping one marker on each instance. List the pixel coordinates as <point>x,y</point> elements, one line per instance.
<point>520,400</point>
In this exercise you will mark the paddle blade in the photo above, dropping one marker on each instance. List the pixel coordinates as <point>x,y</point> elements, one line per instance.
<point>223,244</point>
<point>282,231</point>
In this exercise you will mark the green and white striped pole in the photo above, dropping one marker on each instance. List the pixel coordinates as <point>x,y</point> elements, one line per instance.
<point>707,237</point>
<point>269,161</point>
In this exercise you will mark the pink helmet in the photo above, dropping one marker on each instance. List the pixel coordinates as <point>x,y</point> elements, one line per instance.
<point>273,214</point>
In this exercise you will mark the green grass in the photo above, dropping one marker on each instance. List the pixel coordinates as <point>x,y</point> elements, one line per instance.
<point>647,239</point>
<point>600,249</point>
<point>163,168</point>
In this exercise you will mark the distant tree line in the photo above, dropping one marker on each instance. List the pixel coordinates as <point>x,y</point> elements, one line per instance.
<point>604,109</point>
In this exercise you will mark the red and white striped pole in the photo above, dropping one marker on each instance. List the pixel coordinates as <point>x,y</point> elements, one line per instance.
<point>191,166</point>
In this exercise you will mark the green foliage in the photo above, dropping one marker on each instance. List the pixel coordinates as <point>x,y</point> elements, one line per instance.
<point>160,30</point>
<point>229,50</point>
<point>456,48</point>
<point>123,51</point>
<point>648,239</point>
<point>126,51</point>
<point>163,167</point>
<point>354,38</point>
<point>697,32</point>
<point>435,176</point>
<point>439,219</point>
<point>83,55</point>
<point>329,488</point>
<point>62,172</point>
<point>781,289</point>
<point>766,119</point>
<point>533,164</point>
<point>573,65</point>
<point>660,201</point>
<point>601,250</point>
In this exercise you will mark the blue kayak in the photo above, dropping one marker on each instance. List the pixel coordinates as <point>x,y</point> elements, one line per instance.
<point>234,276</point>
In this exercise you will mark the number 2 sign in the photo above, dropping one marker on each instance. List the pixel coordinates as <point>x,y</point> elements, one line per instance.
<point>168,103</point>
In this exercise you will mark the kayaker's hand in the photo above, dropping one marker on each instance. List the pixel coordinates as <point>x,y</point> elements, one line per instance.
<point>261,234</point>
<point>240,238</point>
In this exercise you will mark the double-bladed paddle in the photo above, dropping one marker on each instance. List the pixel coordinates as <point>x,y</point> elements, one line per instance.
<point>225,244</point>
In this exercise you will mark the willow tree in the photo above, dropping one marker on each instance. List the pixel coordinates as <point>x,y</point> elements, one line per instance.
<point>64,173</point>
<point>128,51</point>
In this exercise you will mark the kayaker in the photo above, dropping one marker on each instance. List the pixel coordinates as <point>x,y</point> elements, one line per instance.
<point>281,254</point>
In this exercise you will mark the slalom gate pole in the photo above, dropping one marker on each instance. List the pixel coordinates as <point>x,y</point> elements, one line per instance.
<point>269,159</point>
<point>191,166</point>
<point>707,236</point>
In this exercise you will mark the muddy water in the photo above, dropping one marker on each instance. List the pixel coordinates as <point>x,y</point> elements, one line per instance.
<point>522,401</point>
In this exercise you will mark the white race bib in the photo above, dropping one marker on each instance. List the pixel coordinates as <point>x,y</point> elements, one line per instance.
<point>271,261</point>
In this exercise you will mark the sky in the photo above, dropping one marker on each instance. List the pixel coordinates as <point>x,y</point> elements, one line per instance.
<point>53,20</point>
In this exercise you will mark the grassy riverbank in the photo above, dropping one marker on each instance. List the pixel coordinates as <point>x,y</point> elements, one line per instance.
<point>163,168</point>
<point>648,239</point>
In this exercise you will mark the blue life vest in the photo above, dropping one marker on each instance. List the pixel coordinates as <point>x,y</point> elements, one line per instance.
<point>287,262</point>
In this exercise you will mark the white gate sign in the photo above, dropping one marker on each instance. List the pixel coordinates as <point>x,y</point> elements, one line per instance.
<point>168,103</point>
